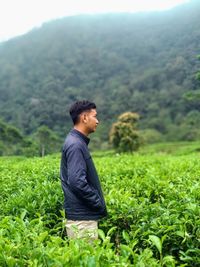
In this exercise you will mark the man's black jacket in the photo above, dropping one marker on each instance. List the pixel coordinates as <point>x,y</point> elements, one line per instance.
<point>80,183</point>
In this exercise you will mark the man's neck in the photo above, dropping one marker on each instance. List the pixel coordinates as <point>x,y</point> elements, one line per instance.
<point>81,130</point>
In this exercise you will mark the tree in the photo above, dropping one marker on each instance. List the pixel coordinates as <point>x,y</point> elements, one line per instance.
<point>47,140</point>
<point>11,139</point>
<point>123,134</point>
<point>198,73</point>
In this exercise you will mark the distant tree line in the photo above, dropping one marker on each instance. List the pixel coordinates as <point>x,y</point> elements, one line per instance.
<point>13,142</point>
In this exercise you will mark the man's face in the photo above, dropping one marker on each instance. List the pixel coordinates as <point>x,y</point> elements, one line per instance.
<point>91,120</point>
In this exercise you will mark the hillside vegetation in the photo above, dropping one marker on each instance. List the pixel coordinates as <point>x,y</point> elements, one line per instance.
<point>144,63</point>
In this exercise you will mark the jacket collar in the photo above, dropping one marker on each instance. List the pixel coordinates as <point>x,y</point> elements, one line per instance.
<point>82,136</point>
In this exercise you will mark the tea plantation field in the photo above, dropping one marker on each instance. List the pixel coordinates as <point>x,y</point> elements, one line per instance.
<point>153,201</point>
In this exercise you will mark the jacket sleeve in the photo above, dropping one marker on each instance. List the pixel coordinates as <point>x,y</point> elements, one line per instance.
<point>77,173</point>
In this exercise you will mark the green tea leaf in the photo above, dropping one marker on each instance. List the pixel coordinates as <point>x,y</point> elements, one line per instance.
<point>156,242</point>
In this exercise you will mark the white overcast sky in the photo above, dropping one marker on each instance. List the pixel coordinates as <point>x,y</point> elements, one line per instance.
<point>19,16</point>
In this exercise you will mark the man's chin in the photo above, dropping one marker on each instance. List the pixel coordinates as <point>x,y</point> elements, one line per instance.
<point>93,130</point>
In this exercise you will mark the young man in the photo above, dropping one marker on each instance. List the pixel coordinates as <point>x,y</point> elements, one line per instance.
<point>83,198</point>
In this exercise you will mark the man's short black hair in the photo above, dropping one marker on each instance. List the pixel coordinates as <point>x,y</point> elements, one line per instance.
<point>78,107</point>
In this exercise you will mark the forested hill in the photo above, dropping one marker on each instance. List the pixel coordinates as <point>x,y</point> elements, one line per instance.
<point>143,62</point>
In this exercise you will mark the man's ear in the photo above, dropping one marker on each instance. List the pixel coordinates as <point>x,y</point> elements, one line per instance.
<point>83,117</point>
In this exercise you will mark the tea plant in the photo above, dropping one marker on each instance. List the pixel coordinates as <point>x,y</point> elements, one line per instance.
<point>153,205</point>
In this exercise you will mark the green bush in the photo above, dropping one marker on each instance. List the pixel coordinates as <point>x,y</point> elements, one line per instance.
<point>123,135</point>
